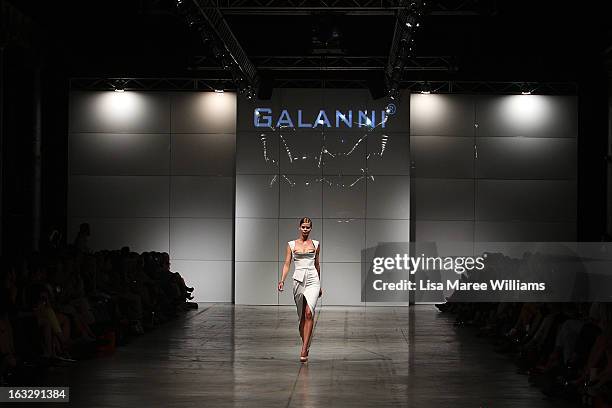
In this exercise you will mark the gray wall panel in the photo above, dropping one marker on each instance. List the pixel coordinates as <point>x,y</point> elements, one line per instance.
<point>536,200</point>
<point>119,112</point>
<point>388,154</point>
<point>347,153</point>
<point>526,158</point>
<point>444,230</point>
<point>257,196</point>
<point>203,154</point>
<point>256,283</point>
<point>300,152</point>
<point>211,280</point>
<point>527,115</point>
<point>441,115</point>
<point>522,231</point>
<point>446,157</point>
<point>444,199</point>
<point>341,283</point>
<point>388,197</point>
<point>257,152</point>
<point>204,112</point>
<point>300,196</point>
<point>381,231</point>
<point>140,234</point>
<point>256,239</point>
<point>118,196</point>
<point>109,154</point>
<point>341,200</point>
<point>343,240</point>
<point>201,196</point>
<point>201,239</point>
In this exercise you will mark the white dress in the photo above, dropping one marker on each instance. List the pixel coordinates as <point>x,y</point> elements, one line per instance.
<point>306,283</point>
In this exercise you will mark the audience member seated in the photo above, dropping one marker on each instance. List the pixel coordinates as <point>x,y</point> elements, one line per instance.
<point>69,303</point>
<point>565,349</point>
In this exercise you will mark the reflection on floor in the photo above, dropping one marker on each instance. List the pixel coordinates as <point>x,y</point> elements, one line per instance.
<point>248,356</point>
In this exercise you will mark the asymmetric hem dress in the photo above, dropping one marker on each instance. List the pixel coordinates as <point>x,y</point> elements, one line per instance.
<point>306,283</point>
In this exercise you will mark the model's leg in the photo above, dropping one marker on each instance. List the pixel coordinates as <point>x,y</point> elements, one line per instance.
<point>302,320</point>
<point>308,323</point>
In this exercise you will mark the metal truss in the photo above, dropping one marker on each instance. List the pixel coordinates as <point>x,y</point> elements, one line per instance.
<point>497,88</point>
<point>407,21</point>
<point>152,84</point>
<point>206,17</point>
<point>362,7</point>
<point>212,84</point>
<point>332,63</point>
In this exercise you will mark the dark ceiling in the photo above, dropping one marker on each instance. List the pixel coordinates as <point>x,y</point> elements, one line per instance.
<point>503,40</point>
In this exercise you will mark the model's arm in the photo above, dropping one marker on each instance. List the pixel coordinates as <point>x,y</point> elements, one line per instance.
<point>316,263</point>
<point>318,267</point>
<point>286,266</point>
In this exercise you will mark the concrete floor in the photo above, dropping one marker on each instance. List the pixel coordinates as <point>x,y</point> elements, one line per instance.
<point>248,356</point>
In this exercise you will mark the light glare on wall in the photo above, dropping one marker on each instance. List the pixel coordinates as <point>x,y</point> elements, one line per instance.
<point>525,113</point>
<point>119,107</point>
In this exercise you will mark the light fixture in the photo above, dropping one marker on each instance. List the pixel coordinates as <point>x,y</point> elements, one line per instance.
<point>219,91</point>
<point>119,85</point>
<point>526,89</point>
<point>425,88</point>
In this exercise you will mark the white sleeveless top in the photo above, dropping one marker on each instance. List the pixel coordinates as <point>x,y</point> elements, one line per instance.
<point>303,262</point>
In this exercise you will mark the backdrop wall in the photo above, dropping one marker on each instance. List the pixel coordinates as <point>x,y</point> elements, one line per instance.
<point>191,174</point>
<point>354,182</point>
<point>494,168</point>
<point>155,171</point>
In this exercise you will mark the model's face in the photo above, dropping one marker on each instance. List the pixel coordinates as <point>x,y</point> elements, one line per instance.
<point>305,228</point>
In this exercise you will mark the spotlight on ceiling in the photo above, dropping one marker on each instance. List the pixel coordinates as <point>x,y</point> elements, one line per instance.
<point>526,89</point>
<point>119,85</point>
<point>425,88</point>
<point>219,91</point>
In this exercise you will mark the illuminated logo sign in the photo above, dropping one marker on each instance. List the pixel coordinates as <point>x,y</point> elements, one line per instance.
<point>267,118</point>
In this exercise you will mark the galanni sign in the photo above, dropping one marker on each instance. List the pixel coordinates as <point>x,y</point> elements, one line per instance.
<point>266,118</point>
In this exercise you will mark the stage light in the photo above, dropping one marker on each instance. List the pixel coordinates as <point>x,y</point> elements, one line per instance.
<point>219,91</point>
<point>525,89</point>
<point>119,85</point>
<point>425,88</point>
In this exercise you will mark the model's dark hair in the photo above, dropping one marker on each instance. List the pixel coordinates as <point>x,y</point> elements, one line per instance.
<point>305,219</point>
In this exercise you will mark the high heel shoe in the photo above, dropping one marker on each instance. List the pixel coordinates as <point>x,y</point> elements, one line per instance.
<point>304,358</point>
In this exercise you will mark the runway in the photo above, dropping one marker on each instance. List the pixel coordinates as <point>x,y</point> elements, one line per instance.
<point>248,356</point>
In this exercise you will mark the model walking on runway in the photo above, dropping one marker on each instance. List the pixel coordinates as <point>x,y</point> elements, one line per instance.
<point>306,280</point>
